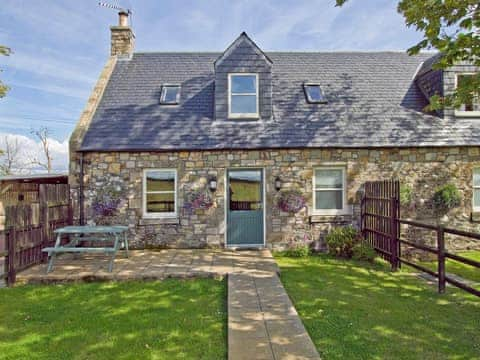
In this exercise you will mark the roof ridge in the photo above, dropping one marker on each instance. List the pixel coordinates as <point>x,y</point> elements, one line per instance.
<point>292,52</point>
<point>177,52</point>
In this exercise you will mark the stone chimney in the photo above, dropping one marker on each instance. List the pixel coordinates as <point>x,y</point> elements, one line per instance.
<point>123,38</point>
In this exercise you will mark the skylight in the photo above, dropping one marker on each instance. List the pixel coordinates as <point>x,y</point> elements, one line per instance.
<point>170,94</point>
<point>314,94</point>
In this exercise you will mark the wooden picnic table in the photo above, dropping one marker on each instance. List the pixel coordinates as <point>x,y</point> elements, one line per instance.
<point>92,234</point>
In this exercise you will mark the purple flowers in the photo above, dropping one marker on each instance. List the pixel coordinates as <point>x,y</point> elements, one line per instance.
<point>197,200</point>
<point>291,201</point>
<point>105,207</point>
<point>107,200</point>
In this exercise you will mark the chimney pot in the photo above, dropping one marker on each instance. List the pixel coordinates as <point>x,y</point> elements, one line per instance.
<point>123,18</point>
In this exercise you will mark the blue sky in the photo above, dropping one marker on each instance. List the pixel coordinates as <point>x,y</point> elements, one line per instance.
<point>60,46</point>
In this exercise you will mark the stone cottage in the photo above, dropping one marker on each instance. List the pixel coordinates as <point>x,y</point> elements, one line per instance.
<point>252,148</point>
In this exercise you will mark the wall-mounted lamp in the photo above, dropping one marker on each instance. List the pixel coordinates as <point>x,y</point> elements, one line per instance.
<point>278,183</point>
<point>212,184</point>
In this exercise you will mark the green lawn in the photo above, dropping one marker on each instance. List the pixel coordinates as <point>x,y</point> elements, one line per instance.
<point>172,319</point>
<point>454,267</point>
<point>355,310</point>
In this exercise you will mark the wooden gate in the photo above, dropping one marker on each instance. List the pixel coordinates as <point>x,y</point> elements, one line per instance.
<point>30,226</point>
<point>380,211</point>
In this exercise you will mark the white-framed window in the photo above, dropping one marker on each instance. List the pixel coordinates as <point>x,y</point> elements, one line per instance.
<point>159,192</point>
<point>329,190</point>
<point>170,94</point>
<point>314,93</point>
<point>471,109</point>
<point>476,189</point>
<point>243,95</point>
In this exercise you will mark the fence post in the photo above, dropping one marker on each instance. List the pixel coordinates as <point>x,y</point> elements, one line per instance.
<point>11,244</point>
<point>441,259</point>
<point>393,235</point>
<point>44,220</point>
<point>362,216</point>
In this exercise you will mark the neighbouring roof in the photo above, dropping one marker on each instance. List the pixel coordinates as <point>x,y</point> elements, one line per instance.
<point>373,101</point>
<point>40,178</point>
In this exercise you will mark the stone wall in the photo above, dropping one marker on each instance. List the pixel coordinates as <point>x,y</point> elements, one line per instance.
<point>423,168</point>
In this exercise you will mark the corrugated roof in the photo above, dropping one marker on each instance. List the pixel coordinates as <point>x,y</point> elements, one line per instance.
<point>33,177</point>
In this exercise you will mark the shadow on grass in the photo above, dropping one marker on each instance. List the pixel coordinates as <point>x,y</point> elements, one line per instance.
<point>172,319</point>
<point>355,310</point>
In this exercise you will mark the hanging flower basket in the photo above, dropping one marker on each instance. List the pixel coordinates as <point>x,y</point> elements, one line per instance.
<point>291,201</point>
<point>198,199</point>
<point>107,201</point>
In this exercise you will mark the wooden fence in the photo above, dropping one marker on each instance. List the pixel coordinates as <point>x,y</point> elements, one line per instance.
<point>441,255</point>
<point>380,207</point>
<point>30,227</point>
<point>380,225</point>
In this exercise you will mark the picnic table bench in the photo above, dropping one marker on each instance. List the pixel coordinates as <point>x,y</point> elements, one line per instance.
<point>93,234</point>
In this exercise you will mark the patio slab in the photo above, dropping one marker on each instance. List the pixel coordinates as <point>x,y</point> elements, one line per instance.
<point>151,265</point>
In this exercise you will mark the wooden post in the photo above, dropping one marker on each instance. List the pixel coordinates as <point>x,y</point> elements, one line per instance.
<point>70,207</point>
<point>44,220</point>
<point>397,229</point>
<point>393,235</point>
<point>362,216</point>
<point>11,244</point>
<point>3,245</point>
<point>441,259</point>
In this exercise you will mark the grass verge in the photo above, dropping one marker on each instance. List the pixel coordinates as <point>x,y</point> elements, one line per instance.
<point>172,319</point>
<point>355,310</point>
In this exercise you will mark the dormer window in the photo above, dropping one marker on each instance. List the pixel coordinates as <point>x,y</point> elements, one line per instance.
<point>170,94</point>
<point>471,108</point>
<point>314,94</point>
<point>243,96</point>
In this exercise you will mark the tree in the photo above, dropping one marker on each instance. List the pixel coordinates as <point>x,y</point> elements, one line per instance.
<point>10,156</point>
<point>6,51</point>
<point>43,134</point>
<point>453,28</point>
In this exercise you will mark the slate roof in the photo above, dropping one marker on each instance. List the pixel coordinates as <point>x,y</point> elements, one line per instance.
<point>373,101</point>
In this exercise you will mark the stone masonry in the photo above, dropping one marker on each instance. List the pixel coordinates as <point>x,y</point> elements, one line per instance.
<point>424,169</point>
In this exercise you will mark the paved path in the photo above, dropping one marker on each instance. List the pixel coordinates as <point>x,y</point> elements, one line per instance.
<point>262,322</point>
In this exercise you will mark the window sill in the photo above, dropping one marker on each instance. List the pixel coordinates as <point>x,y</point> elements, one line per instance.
<point>173,220</point>
<point>332,218</point>
<point>246,117</point>
<point>467,114</point>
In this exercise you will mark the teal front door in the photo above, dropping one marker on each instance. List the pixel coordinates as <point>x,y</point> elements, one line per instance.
<point>245,207</point>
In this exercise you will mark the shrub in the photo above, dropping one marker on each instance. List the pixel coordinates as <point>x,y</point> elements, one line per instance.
<point>406,194</point>
<point>363,251</point>
<point>300,250</point>
<point>446,197</point>
<point>340,241</point>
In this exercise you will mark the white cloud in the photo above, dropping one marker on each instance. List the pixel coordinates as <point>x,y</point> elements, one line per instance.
<point>29,149</point>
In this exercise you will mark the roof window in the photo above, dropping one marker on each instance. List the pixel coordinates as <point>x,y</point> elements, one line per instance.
<point>314,94</point>
<point>170,94</point>
<point>471,108</point>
